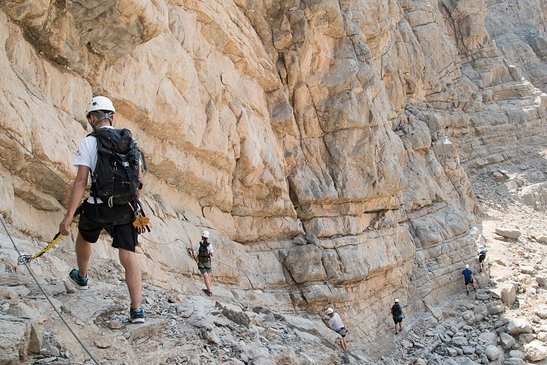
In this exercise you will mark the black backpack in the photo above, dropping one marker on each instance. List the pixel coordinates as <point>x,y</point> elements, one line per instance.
<point>115,179</point>
<point>203,252</point>
<point>396,310</point>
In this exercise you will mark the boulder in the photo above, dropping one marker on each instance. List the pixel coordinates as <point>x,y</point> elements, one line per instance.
<point>507,341</point>
<point>517,353</point>
<point>14,339</point>
<point>541,311</point>
<point>492,352</point>
<point>495,307</point>
<point>509,294</point>
<point>469,317</point>
<point>535,351</point>
<point>518,326</point>
<point>510,233</point>
<point>542,336</point>
<point>489,338</point>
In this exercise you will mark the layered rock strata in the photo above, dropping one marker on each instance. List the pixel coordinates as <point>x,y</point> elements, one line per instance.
<point>324,143</point>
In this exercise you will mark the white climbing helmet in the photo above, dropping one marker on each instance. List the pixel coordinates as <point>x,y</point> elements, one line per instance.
<point>396,300</point>
<point>467,266</point>
<point>100,103</point>
<point>205,234</point>
<point>329,310</point>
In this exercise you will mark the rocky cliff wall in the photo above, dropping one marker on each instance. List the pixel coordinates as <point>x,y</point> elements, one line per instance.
<point>324,143</point>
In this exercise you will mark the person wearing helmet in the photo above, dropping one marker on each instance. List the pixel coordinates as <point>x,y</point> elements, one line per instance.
<point>334,322</point>
<point>101,108</point>
<point>97,215</point>
<point>468,278</point>
<point>203,251</point>
<point>397,314</point>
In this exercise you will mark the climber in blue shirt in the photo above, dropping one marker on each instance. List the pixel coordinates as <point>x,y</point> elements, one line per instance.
<point>468,277</point>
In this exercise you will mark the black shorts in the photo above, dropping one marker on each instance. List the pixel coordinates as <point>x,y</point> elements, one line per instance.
<point>397,319</point>
<point>468,281</point>
<point>342,331</point>
<point>117,221</point>
<point>481,258</point>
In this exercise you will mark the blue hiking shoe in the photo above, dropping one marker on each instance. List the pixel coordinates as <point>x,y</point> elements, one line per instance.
<point>81,283</point>
<point>136,315</point>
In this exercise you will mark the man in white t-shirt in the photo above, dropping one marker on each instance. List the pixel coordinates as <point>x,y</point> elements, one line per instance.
<point>334,322</point>
<point>203,252</point>
<point>97,215</point>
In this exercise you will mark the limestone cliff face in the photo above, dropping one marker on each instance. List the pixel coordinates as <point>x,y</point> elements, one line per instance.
<point>324,143</point>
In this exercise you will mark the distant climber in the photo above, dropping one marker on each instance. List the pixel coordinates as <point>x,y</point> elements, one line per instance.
<point>482,257</point>
<point>397,314</point>
<point>468,278</point>
<point>203,253</point>
<point>334,322</point>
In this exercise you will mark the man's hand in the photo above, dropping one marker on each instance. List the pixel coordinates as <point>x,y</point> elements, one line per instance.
<point>78,190</point>
<point>192,253</point>
<point>65,224</point>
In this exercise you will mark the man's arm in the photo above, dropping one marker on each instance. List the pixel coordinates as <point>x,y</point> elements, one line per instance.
<point>78,190</point>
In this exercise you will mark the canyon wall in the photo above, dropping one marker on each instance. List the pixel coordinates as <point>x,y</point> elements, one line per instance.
<point>325,144</point>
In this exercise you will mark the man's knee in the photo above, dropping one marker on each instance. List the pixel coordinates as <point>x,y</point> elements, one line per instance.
<point>127,257</point>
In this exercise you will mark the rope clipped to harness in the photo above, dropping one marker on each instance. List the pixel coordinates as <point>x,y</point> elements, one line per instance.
<point>141,221</point>
<point>25,259</point>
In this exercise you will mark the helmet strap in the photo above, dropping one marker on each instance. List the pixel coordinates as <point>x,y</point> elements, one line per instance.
<point>101,116</point>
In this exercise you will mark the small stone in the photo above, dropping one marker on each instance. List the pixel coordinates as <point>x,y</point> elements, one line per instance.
<point>525,269</point>
<point>517,353</point>
<point>541,311</point>
<point>492,352</point>
<point>507,341</point>
<point>115,324</point>
<point>102,343</point>
<point>495,307</point>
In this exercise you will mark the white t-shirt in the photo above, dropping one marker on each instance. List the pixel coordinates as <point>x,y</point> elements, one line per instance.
<point>86,155</point>
<point>335,322</point>
<point>209,248</point>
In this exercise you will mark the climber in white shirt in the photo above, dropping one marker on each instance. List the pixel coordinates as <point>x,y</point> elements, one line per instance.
<point>334,322</point>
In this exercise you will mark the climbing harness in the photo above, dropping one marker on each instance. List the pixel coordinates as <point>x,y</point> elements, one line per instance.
<point>25,259</point>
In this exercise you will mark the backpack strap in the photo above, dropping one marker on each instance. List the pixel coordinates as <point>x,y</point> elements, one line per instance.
<point>93,173</point>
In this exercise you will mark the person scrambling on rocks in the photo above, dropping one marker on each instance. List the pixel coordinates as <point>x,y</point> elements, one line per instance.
<point>468,278</point>
<point>203,253</point>
<point>334,322</point>
<point>482,257</point>
<point>397,314</point>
